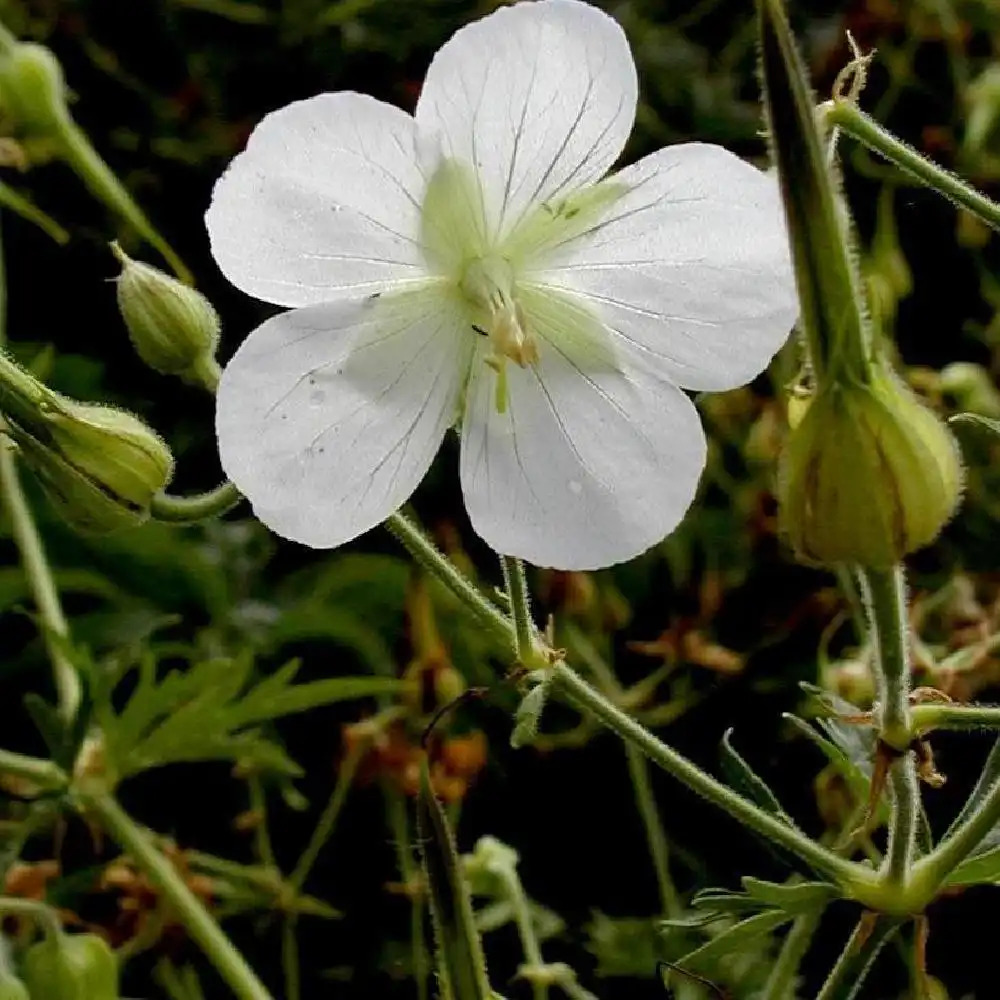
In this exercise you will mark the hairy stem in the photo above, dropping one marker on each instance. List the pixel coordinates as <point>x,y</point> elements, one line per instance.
<point>198,922</point>
<point>867,131</point>
<point>592,702</point>
<point>38,572</point>
<point>856,960</point>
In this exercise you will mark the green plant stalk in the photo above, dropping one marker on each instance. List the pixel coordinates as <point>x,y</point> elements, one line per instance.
<point>781,982</point>
<point>44,916</point>
<point>437,565</point>
<point>200,507</point>
<point>44,774</point>
<point>533,959</point>
<point>856,960</point>
<point>930,871</point>
<point>845,873</point>
<point>656,837</point>
<point>885,599</point>
<point>80,156</point>
<point>903,819</point>
<point>935,715</point>
<point>638,767</point>
<point>867,131</point>
<point>320,836</point>
<point>55,628</point>
<point>409,872</point>
<point>198,922</point>
<point>520,608</point>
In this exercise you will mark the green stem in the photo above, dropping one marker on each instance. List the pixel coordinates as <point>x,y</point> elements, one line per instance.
<point>410,874</point>
<point>76,150</point>
<point>43,773</point>
<point>884,593</point>
<point>55,628</point>
<point>903,821</point>
<point>206,372</point>
<point>868,132</point>
<point>533,959</point>
<point>201,507</point>
<point>857,957</point>
<point>520,607</point>
<point>591,702</point>
<point>320,836</point>
<point>935,715</point>
<point>886,602</point>
<point>785,971</point>
<point>198,922</point>
<point>44,916</point>
<point>931,871</point>
<point>328,820</point>
<point>656,837</point>
<point>437,564</point>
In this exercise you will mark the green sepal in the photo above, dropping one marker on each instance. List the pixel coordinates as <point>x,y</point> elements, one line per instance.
<point>833,318</point>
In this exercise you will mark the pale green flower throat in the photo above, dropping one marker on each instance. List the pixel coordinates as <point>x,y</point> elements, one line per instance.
<point>483,271</point>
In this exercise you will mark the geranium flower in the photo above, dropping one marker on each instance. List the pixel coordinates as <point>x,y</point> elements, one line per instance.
<point>473,266</point>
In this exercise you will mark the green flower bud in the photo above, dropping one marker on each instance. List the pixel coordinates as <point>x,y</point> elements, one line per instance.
<point>172,326</point>
<point>71,967</point>
<point>101,467</point>
<point>32,89</point>
<point>869,475</point>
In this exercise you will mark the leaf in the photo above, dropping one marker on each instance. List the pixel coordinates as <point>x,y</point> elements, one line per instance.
<point>461,965</point>
<point>705,960</point>
<point>744,779</point>
<point>792,897</point>
<point>528,716</point>
<point>210,712</point>
<point>976,420</point>
<point>625,946</point>
<point>740,776</point>
<point>983,868</point>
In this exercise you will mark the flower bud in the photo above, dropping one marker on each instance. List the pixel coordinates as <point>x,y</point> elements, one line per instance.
<point>71,967</point>
<point>101,467</point>
<point>869,474</point>
<point>32,89</point>
<point>172,326</point>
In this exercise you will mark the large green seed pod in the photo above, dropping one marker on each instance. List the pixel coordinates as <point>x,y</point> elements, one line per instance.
<point>869,474</point>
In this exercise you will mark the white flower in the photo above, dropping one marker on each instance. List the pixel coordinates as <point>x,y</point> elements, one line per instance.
<point>468,265</point>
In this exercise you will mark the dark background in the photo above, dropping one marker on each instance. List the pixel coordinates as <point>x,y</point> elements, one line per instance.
<point>168,93</point>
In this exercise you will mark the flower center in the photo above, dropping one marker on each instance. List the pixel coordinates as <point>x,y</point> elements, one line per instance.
<point>487,284</point>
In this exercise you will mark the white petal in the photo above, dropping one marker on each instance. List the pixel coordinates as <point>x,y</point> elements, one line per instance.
<point>583,470</point>
<point>324,203</point>
<point>691,266</point>
<point>329,416</point>
<point>539,98</point>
